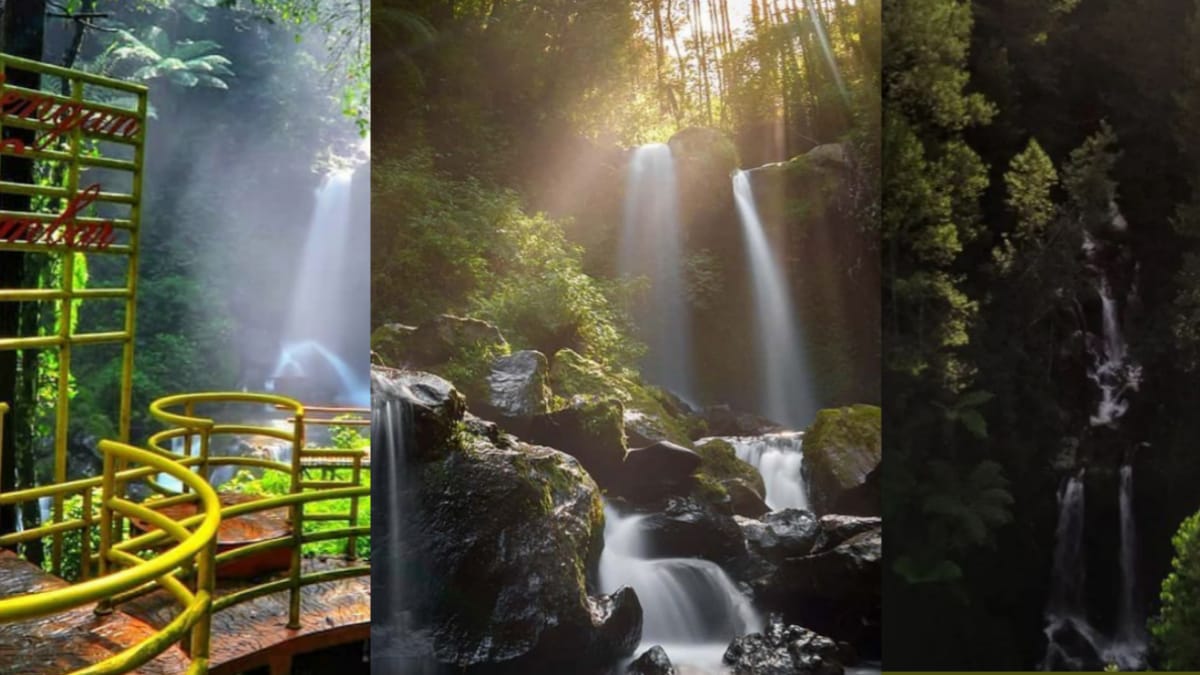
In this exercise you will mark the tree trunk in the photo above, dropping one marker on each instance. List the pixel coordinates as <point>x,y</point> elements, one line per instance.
<point>22,29</point>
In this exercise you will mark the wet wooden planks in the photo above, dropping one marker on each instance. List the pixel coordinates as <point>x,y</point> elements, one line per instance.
<point>69,640</point>
<point>254,634</point>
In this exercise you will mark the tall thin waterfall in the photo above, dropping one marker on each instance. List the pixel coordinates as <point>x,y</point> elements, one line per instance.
<point>690,606</point>
<point>652,247</point>
<point>325,338</point>
<point>1072,642</point>
<point>1130,627</point>
<point>787,392</point>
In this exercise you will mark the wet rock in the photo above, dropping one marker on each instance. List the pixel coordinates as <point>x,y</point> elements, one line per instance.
<point>842,449</point>
<point>653,661</point>
<point>836,528</point>
<point>783,650</point>
<point>591,431</point>
<point>436,407</point>
<point>744,499</point>
<point>835,591</point>
<point>781,534</point>
<point>659,468</point>
<point>517,385</point>
<point>504,539</point>
<point>691,527</point>
<point>434,342</point>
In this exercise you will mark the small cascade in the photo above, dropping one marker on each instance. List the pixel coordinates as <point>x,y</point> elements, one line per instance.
<point>1113,372</point>
<point>787,393</point>
<point>779,459</point>
<point>690,606</point>
<point>652,247</point>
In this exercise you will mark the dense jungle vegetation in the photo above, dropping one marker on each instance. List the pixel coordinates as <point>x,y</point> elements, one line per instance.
<point>1014,131</point>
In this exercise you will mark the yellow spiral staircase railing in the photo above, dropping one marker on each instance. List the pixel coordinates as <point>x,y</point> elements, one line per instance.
<point>192,558</point>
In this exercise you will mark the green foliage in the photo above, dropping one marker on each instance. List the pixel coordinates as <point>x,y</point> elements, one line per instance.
<point>1177,626</point>
<point>274,483</point>
<point>468,248</point>
<point>154,56</point>
<point>73,540</point>
<point>1088,178</point>
<point>348,437</point>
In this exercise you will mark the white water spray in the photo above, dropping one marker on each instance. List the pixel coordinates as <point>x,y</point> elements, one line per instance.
<point>787,393</point>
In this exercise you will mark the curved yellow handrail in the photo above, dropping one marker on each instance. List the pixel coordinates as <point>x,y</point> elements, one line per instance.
<point>159,408</point>
<point>194,550</point>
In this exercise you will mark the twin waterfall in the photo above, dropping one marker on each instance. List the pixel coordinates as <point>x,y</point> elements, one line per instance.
<point>652,246</point>
<point>1073,643</point>
<point>787,396</point>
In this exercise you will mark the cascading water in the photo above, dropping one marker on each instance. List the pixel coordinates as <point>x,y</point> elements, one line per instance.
<point>779,459</point>
<point>324,342</point>
<point>1072,642</point>
<point>652,247</point>
<point>787,393</point>
<point>690,606</point>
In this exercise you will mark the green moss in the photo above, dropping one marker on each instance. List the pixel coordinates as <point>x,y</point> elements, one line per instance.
<point>574,375</point>
<point>470,367</point>
<point>709,490</point>
<point>842,436</point>
<point>720,463</point>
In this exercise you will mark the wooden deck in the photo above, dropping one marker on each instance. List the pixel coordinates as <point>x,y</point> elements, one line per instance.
<point>254,634</point>
<point>249,636</point>
<point>70,640</point>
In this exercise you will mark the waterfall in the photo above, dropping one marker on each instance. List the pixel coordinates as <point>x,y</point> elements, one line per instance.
<point>652,247</point>
<point>394,647</point>
<point>325,340</point>
<point>690,606</point>
<point>787,395</point>
<point>1113,372</point>
<point>1072,642</point>
<point>778,458</point>
<point>1131,633</point>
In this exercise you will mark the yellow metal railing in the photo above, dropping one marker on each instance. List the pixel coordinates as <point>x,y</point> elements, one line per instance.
<point>180,411</point>
<point>75,151</point>
<point>121,570</point>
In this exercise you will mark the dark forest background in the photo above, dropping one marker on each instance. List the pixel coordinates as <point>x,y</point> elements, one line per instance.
<point>1010,127</point>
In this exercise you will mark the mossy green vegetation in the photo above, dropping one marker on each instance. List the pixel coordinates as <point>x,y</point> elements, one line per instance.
<point>842,440</point>
<point>720,462</point>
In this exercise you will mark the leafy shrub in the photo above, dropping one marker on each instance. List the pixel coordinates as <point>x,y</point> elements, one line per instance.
<point>1176,630</point>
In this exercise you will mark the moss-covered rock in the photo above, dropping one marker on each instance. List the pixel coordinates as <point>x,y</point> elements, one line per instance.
<point>842,449</point>
<point>460,349</point>
<point>647,416</point>
<point>591,430</point>
<point>720,461</point>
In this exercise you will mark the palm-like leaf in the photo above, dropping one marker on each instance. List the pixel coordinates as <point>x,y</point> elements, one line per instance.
<point>152,56</point>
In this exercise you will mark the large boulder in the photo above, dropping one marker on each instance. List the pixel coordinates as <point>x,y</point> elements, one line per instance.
<point>656,470</point>
<point>507,534</point>
<point>783,650</point>
<point>842,452</point>
<point>591,431</point>
<point>517,386</point>
<point>835,590</point>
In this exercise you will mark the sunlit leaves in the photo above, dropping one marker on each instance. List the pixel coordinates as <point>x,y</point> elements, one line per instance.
<point>1177,625</point>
